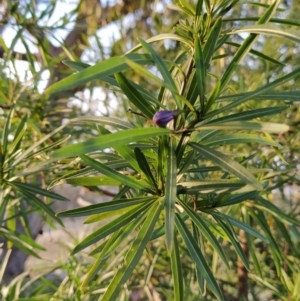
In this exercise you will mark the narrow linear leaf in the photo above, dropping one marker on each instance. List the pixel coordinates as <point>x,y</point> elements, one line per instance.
<point>271,30</point>
<point>204,185</point>
<point>163,37</point>
<point>143,164</point>
<point>239,224</point>
<point>47,148</point>
<point>104,207</point>
<point>166,75</point>
<point>5,132</point>
<point>257,53</point>
<point>133,256</point>
<point>101,259</point>
<point>268,127</point>
<point>111,227</point>
<point>232,237</point>
<point>104,68</point>
<point>18,135</point>
<point>213,96</point>
<point>198,257</point>
<point>260,219</point>
<point>267,206</point>
<point>239,139</point>
<point>93,181</point>
<point>125,180</point>
<point>177,272</point>
<point>277,95</point>
<point>108,215</point>
<point>124,232</point>
<point>246,46</point>
<point>170,194</point>
<point>134,96</point>
<point>18,242</point>
<point>205,231</point>
<point>125,152</point>
<point>227,164</point>
<point>256,93</point>
<point>39,203</point>
<point>119,138</point>
<point>251,114</point>
<point>78,66</point>
<point>210,45</point>
<point>200,71</point>
<point>37,190</point>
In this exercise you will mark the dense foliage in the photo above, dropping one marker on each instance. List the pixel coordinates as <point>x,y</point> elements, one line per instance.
<point>203,147</point>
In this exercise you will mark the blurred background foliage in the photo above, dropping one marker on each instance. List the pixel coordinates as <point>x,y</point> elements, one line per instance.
<point>36,36</point>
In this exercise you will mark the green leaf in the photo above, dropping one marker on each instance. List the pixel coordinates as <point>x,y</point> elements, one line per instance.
<point>37,202</point>
<point>119,138</point>
<point>36,190</point>
<point>200,72</point>
<point>110,246</point>
<point>134,96</point>
<point>248,115</point>
<point>105,207</point>
<point>210,45</point>
<point>267,206</point>
<point>122,235</point>
<point>170,194</point>
<point>205,231</point>
<point>239,224</point>
<point>227,164</point>
<point>45,149</point>
<point>164,84</point>
<point>238,139</point>
<point>18,135</point>
<point>134,254</point>
<point>236,198</point>
<point>257,92</point>
<point>268,127</point>
<point>107,215</point>
<point>177,271</point>
<point>226,227</point>
<point>143,164</point>
<point>125,152</point>
<point>93,181</point>
<point>246,46</point>
<point>102,258</point>
<point>112,227</point>
<point>123,179</point>
<point>207,186</point>
<point>213,96</point>
<point>163,37</point>
<point>104,68</point>
<point>277,95</point>
<point>275,290</point>
<point>260,219</point>
<point>5,132</point>
<point>198,257</point>
<point>18,242</point>
<point>163,70</point>
<point>271,30</point>
<point>78,66</point>
<point>259,54</point>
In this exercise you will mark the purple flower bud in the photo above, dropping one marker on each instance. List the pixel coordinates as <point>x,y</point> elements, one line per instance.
<point>162,118</point>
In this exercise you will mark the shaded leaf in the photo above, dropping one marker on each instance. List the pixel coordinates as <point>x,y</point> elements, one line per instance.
<point>227,164</point>
<point>134,254</point>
